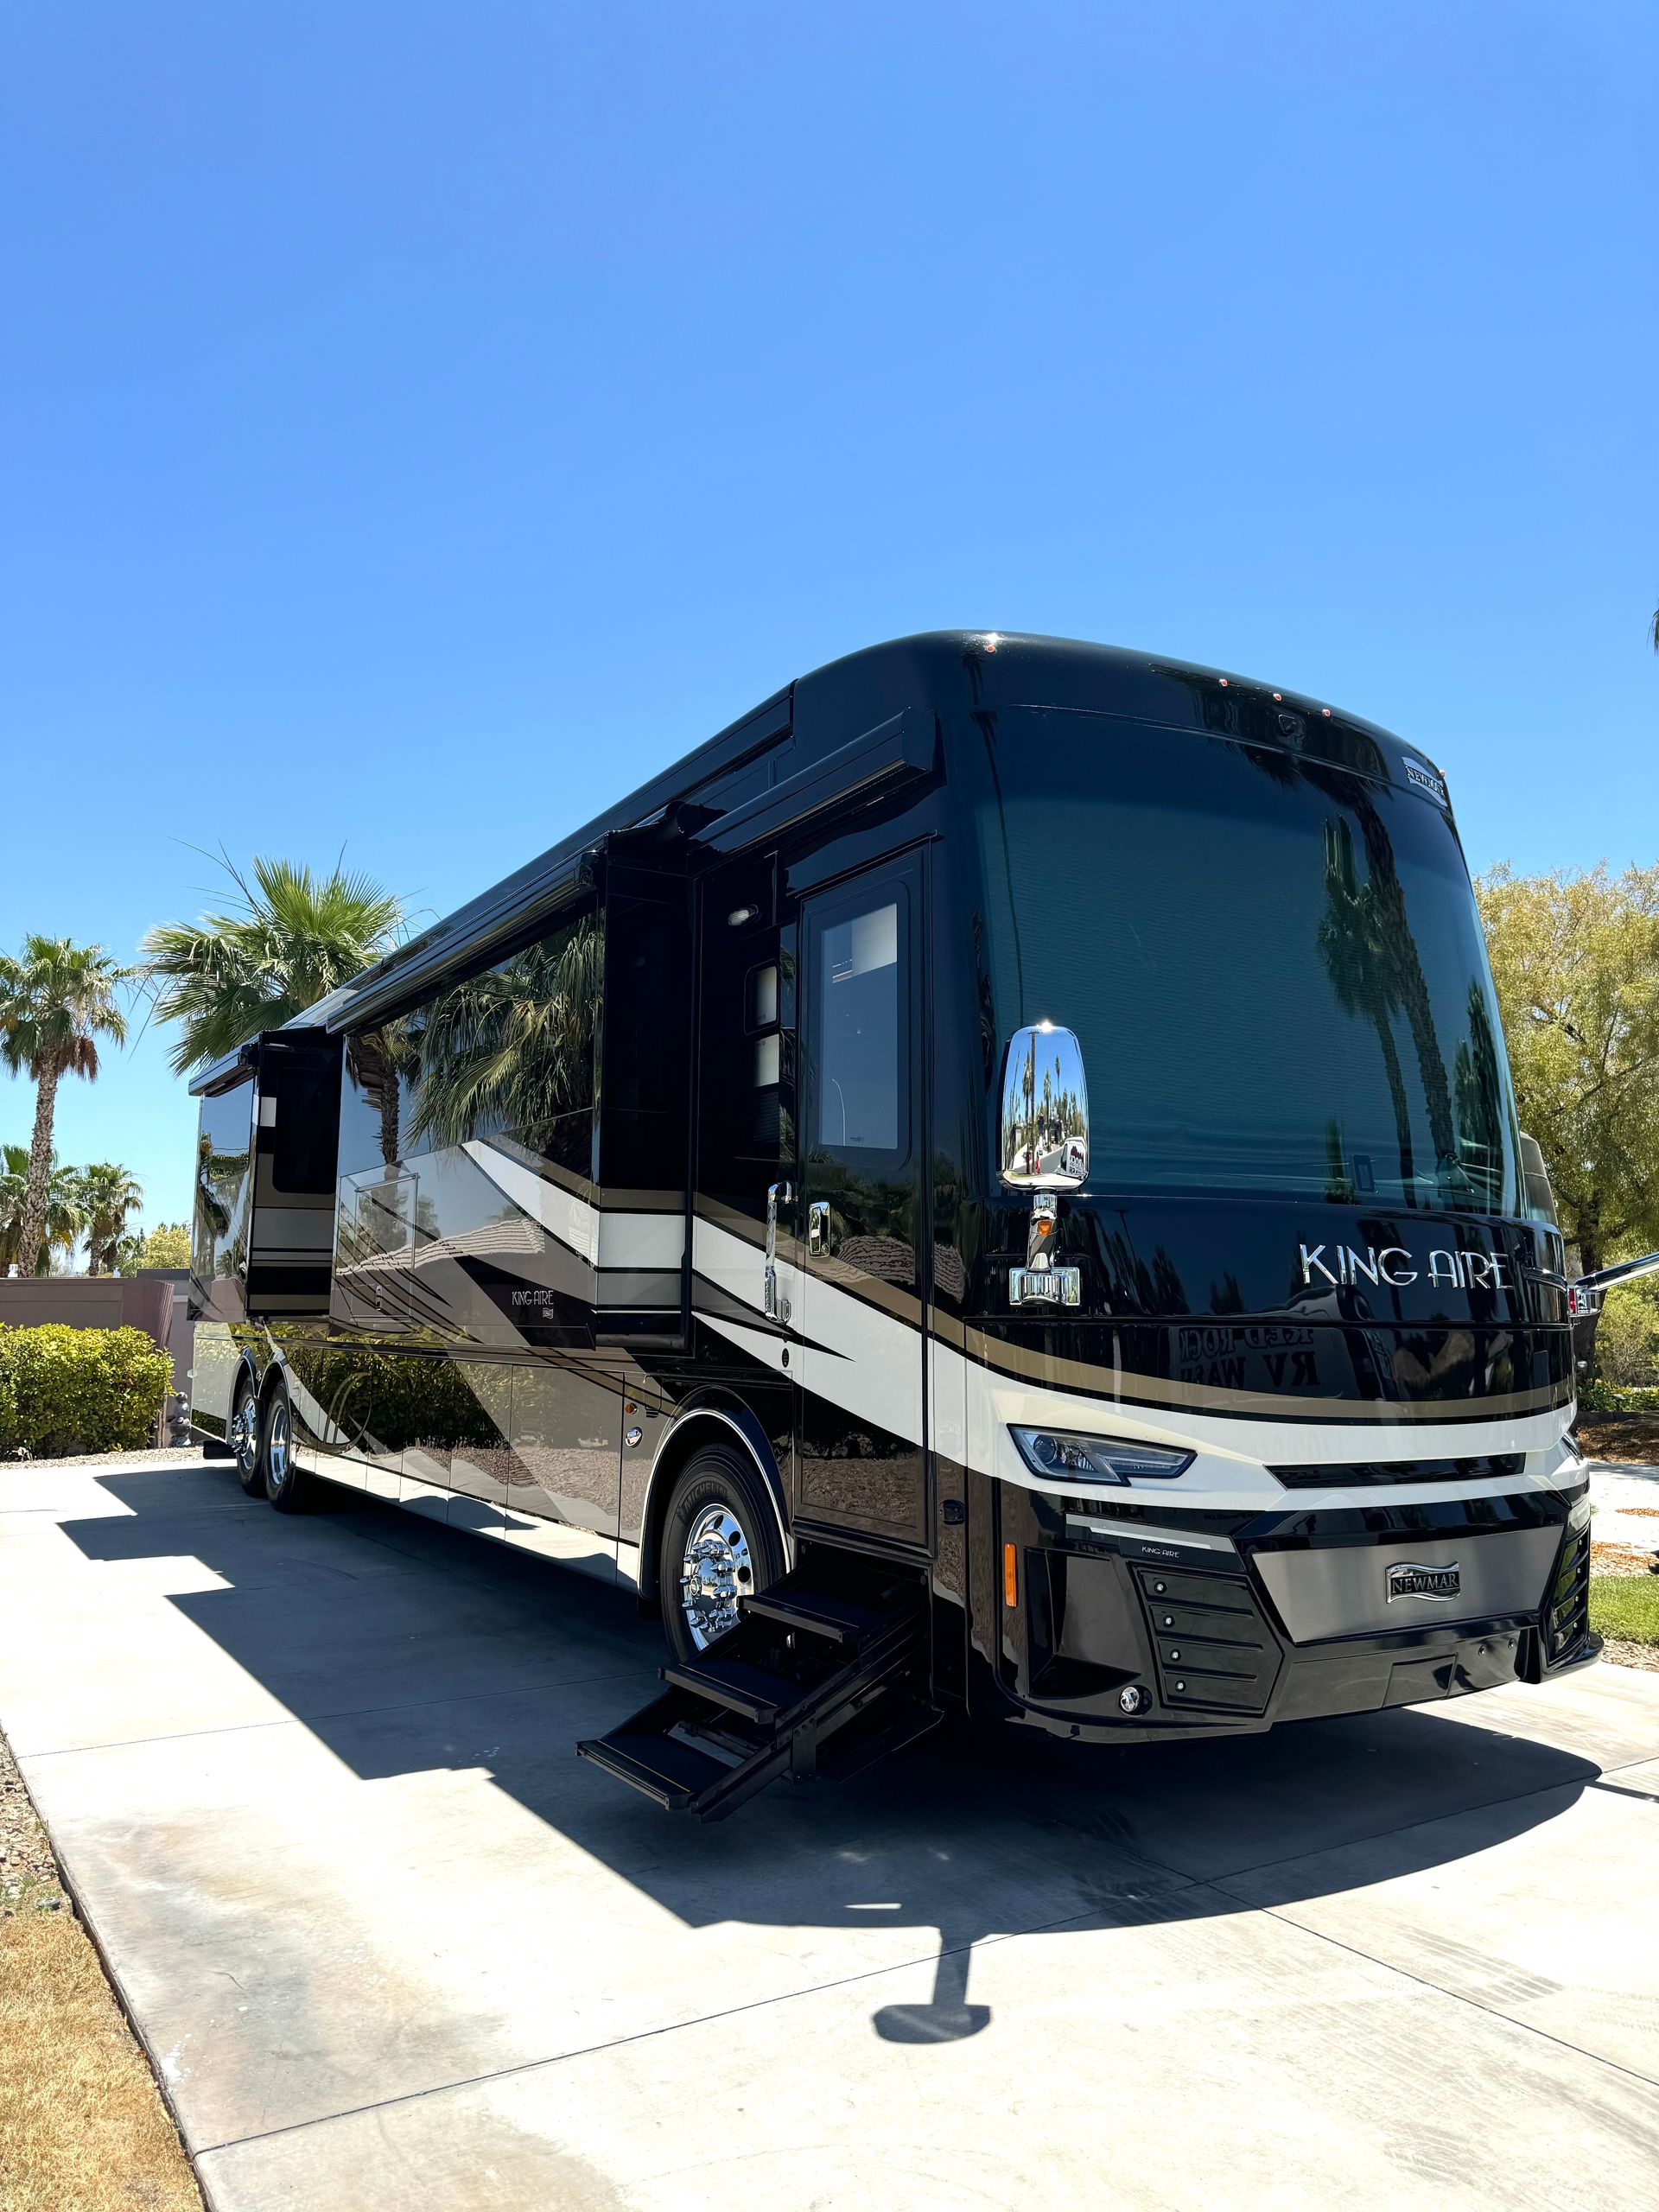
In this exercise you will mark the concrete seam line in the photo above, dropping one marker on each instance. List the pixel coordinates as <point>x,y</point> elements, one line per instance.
<point>183,1736</point>
<point>342,1713</point>
<point>645,2035</point>
<point>1460,1997</point>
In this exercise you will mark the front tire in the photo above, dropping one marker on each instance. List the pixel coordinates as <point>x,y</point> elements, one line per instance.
<point>285,1485</point>
<point>244,1438</point>
<point>719,1542</point>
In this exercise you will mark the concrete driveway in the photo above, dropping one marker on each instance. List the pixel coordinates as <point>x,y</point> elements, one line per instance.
<point>392,1945</point>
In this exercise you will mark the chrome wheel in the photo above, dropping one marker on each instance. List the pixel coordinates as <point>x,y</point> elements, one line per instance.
<point>245,1434</point>
<point>717,1570</point>
<point>277,1445</point>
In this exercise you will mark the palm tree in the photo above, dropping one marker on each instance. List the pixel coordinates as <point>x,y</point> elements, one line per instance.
<point>56,999</point>
<point>107,1195</point>
<point>295,937</point>
<point>64,1221</point>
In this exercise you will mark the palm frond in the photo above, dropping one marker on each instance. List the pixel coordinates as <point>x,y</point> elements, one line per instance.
<point>296,936</point>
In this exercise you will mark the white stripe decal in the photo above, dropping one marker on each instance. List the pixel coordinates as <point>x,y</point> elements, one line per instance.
<point>571,1220</point>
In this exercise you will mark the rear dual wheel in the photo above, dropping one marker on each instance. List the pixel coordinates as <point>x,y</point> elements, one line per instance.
<point>286,1485</point>
<point>244,1438</point>
<point>262,1441</point>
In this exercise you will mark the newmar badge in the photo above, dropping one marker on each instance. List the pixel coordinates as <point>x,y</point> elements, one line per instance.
<point>1407,1579</point>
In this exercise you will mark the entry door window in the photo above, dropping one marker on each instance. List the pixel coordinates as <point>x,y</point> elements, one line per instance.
<point>863,1114</point>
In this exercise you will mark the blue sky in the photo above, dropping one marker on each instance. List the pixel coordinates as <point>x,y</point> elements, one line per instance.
<point>421,423</point>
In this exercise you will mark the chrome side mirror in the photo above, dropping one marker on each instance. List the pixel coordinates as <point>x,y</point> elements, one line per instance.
<point>1044,1144</point>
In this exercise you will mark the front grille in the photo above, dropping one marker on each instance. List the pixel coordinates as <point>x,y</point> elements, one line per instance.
<point>1359,1474</point>
<point>1566,1612</point>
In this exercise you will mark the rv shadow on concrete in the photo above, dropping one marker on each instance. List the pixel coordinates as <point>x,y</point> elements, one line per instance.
<point>407,1647</point>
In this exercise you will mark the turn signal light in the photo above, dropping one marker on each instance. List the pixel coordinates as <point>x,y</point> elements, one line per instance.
<point>1010,1576</point>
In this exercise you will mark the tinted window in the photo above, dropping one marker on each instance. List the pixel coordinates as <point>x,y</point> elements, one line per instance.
<point>507,1052</point>
<point>856,1043</point>
<point>1274,965</point>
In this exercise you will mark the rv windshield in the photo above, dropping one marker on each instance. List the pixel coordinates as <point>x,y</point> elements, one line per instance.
<point>1275,967</point>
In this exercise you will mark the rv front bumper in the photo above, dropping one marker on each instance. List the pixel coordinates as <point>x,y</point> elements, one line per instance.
<point>1121,1631</point>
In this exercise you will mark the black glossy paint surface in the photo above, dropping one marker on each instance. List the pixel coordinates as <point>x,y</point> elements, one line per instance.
<point>648,1047</point>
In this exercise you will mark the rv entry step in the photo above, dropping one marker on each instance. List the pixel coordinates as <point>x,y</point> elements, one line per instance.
<point>824,1672</point>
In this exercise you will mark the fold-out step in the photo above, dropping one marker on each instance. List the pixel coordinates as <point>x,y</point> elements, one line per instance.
<point>755,1692</point>
<point>665,1767</point>
<point>836,1619</point>
<point>806,1668</point>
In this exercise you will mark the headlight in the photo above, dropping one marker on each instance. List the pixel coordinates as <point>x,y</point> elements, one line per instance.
<point>1061,1456</point>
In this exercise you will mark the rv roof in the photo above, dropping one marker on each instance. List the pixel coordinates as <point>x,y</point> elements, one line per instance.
<point>970,670</point>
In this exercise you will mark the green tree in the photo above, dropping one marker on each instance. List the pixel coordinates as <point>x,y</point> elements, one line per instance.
<point>167,1245</point>
<point>293,939</point>
<point>1576,961</point>
<point>56,999</point>
<point>107,1195</point>
<point>63,1216</point>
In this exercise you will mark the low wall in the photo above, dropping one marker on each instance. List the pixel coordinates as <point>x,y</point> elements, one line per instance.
<point>153,1302</point>
<point>89,1302</point>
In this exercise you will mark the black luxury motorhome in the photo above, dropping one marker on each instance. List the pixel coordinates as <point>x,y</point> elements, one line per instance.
<point>992,1184</point>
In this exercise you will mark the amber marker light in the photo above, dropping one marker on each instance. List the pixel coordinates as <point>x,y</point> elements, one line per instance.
<point>1010,1577</point>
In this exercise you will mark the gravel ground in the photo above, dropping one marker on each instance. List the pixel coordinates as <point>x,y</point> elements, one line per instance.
<point>29,1873</point>
<point>176,1455</point>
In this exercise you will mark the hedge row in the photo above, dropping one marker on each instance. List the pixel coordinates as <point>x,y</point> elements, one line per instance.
<point>1598,1396</point>
<point>65,1390</point>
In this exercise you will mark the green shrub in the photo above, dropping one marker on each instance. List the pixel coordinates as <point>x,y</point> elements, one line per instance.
<point>64,1390</point>
<point>1597,1396</point>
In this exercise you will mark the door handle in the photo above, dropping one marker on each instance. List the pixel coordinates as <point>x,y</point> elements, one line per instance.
<point>775,1305</point>
<point>817,1229</point>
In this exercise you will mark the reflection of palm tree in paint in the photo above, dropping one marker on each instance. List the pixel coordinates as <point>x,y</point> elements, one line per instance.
<point>222,1180</point>
<point>1372,960</point>
<point>1478,1084</point>
<point>513,1048</point>
<point>377,1057</point>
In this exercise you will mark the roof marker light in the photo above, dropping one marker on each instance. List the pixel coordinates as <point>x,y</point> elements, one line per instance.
<point>1325,711</point>
<point>1224,684</point>
<point>993,639</point>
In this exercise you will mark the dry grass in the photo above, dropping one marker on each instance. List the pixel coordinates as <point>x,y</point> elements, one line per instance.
<point>82,2125</point>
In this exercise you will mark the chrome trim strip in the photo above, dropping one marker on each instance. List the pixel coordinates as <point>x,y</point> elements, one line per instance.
<point>1141,1534</point>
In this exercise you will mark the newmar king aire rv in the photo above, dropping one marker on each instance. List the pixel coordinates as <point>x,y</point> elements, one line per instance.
<point>993,1184</point>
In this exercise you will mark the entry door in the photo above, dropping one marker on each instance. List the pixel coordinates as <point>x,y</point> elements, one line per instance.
<point>860,1211</point>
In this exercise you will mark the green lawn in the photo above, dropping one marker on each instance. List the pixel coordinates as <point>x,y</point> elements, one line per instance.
<point>1625,1605</point>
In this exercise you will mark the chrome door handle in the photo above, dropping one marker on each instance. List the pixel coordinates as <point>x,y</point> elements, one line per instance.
<point>775,1305</point>
<point>817,1229</point>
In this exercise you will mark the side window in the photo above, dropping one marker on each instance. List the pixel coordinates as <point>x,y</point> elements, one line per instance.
<point>508,1052</point>
<point>858,1060</point>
